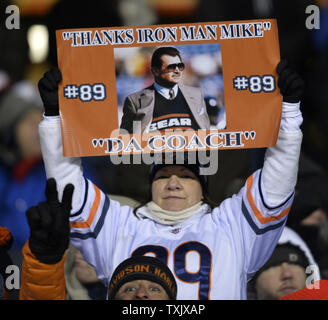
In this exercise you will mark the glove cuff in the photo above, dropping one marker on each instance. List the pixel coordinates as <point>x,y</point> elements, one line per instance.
<point>51,110</point>
<point>45,254</point>
<point>291,99</point>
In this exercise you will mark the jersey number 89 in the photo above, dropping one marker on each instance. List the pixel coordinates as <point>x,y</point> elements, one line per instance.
<point>202,276</point>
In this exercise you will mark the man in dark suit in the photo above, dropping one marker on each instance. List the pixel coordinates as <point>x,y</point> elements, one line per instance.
<point>166,104</point>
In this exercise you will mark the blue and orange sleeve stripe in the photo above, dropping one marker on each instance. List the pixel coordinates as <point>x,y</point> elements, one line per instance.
<point>90,227</point>
<point>94,209</point>
<point>260,222</point>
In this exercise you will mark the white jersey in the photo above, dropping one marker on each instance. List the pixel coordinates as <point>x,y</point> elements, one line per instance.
<point>212,255</point>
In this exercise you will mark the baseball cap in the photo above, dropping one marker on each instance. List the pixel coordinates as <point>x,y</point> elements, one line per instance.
<point>143,268</point>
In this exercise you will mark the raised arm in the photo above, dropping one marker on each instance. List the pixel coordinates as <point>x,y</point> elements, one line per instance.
<point>64,169</point>
<point>280,167</point>
<point>92,230</point>
<point>266,198</point>
<point>42,273</point>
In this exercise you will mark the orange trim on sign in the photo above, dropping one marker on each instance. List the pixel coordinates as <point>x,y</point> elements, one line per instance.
<point>256,211</point>
<point>94,208</point>
<point>174,129</point>
<point>171,115</point>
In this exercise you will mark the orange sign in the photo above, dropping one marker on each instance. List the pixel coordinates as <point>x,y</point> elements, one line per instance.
<point>115,96</point>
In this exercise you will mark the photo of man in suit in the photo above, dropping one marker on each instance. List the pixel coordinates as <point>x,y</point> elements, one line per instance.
<point>166,104</point>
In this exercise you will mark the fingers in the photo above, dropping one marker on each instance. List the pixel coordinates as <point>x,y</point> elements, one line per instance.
<point>33,218</point>
<point>51,192</point>
<point>59,212</point>
<point>61,221</point>
<point>281,66</point>
<point>53,76</point>
<point>298,84</point>
<point>46,216</point>
<point>51,218</point>
<point>50,79</point>
<point>44,83</point>
<point>40,221</point>
<point>290,83</point>
<point>56,74</point>
<point>67,198</point>
<point>286,80</point>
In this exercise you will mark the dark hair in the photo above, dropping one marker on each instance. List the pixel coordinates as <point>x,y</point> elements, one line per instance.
<point>156,61</point>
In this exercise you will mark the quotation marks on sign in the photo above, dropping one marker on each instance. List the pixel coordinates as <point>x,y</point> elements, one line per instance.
<point>98,142</point>
<point>249,134</point>
<point>255,83</point>
<point>266,25</point>
<point>85,92</point>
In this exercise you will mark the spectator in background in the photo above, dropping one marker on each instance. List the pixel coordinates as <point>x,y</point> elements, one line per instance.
<point>22,174</point>
<point>286,270</point>
<point>80,14</point>
<point>316,113</point>
<point>5,82</point>
<point>137,12</point>
<point>81,279</point>
<point>43,277</point>
<point>85,14</point>
<point>294,38</point>
<point>319,291</point>
<point>309,216</point>
<point>142,278</point>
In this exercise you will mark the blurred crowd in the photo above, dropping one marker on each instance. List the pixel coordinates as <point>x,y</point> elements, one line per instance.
<point>26,53</point>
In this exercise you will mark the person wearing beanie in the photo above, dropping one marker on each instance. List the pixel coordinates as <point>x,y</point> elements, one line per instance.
<point>43,276</point>
<point>309,216</point>
<point>287,270</point>
<point>22,174</point>
<point>211,250</point>
<point>142,278</point>
<point>52,270</point>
